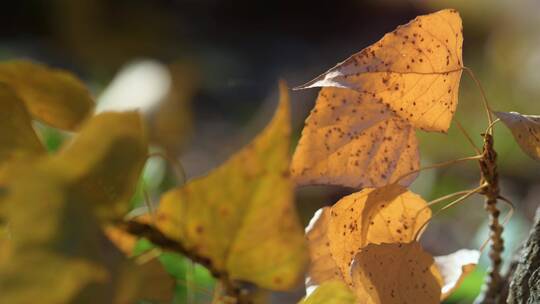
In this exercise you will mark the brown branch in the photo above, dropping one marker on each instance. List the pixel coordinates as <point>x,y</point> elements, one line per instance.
<point>525,284</point>
<point>230,289</point>
<point>490,176</point>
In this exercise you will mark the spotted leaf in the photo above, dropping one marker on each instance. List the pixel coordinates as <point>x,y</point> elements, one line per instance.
<point>396,273</point>
<point>352,140</point>
<point>372,216</point>
<point>415,70</point>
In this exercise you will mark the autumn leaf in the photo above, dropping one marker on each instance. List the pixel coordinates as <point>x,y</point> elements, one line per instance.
<point>332,292</point>
<point>455,267</point>
<point>415,70</point>
<point>389,214</point>
<point>526,131</point>
<point>58,252</point>
<point>43,220</point>
<point>17,137</point>
<point>106,158</point>
<point>53,96</point>
<point>350,140</point>
<point>241,217</point>
<point>396,273</point>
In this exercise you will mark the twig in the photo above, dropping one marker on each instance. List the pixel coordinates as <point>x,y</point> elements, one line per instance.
<point>488,167</point>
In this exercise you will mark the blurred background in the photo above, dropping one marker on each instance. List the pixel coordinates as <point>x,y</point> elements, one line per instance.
<point>205,73</point>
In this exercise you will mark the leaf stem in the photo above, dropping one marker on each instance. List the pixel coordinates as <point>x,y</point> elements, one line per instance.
<point>482,92</point>
<point>439,165</point>
<point>468,193</point>
<point>467,136</point>
<point>488,167</point>
<point>177,166</point>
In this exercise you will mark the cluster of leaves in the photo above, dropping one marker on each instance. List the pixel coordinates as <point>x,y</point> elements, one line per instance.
<point>56,209</point>
<point>65,237</point>
<point>361,134</point>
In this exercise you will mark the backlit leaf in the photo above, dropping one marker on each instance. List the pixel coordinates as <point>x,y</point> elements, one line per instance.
<point>384,215</point>
<point>351,140</point>
<point>455,267</point>
<point>51,95</point>
<point>333,292</point>
<point>415,70</point>
<point>106,158</point>
<point>241,217</point>
<point>17,137</point>
<point>395,273</point>
<point>526,131</point>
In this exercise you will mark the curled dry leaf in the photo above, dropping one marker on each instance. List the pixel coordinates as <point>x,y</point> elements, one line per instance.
<point>332,292</point>
<point>352,140</point>
<point>415,70</point>
<point>455,267</point>
<point>526,131</point>
<point>396,273</point>
<point>53,96</point>
<point>384,215</point>
<point>17,137</point>
<point>241,217</point>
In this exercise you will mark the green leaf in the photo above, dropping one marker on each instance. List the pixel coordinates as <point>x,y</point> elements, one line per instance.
<point>53,96</point>
<point>241,217</point>
<point>331,292</point>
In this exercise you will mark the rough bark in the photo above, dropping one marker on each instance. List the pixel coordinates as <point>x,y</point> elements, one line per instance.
<point>524,287</point>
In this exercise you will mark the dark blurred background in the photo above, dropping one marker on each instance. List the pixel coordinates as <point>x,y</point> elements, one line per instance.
<point>205,74</point>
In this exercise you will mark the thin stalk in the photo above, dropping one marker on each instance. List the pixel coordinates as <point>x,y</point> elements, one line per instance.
<point>482,92</point>
<point>468,193</point>
<point>439,165</point>
<point>467,136</point>
<point>177,166</point>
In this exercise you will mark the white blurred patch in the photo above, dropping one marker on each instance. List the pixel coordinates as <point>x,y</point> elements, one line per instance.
<point>140,85</point>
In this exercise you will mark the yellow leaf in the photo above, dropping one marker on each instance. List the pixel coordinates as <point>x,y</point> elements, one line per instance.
<point>454,268</point>
<point>122,240</point>
<point>395,273</point>
<point>333,292</point>
<point>352,141</point>
<point>17,137</point>
<point>60,254</point>
<point>372,216</point>
<point>54,240</point>
<point>241,217</point>
<point>53,96</point>
<point>526,131</point>
<point>106,158</point>
<point>415,70</point>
